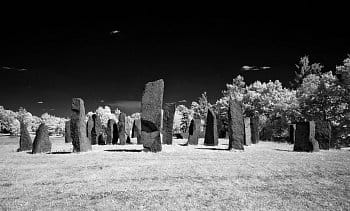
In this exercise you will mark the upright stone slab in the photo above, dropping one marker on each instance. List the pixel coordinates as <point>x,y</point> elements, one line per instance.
<point>115,134</point>
<point>109,131</point>
<point>292,128</point>
<point>25,142</point>
<point>96,132</point>
<point>42,142</point>
<point>236,125</point>
<point>211,130</point>
<point>121,129</point>
<point>247,132</point>
<point>67,133</point>
<point>128,128</point>
<point>137,130</point>
<point>323,134</point>
<point>168,122</point>
<point>89,127</point>
<point>254,127</point>
<point>305,137</point>
<point>193,131</point>
<point>151,108</point>
<point>78,127</point>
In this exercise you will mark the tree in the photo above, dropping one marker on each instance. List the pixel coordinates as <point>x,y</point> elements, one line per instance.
<point>304,69</point>
<point>182,118</point>
<point>105,114</point>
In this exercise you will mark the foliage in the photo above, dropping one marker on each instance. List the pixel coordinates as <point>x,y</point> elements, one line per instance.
<point>182,118</point>
<point>105,114</point>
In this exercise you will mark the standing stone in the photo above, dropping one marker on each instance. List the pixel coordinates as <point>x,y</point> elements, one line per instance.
<point>236,126</point>
<point>151,108</point>
<point>89,127</point>
<point>121,129</point>
<point>323,134</point>
<point>42,142</point>
<point>193,131</point>
<point>115,133</point>
<point>211,130</point>
<point>67,133</point>
<point>78,127</point>
<point>25,142</point>
<point>305,137</point>
<point>136,130</point>
<point>254,126</point>
<point>96,132</point>
<point>247,132</point>
<point>128,128</point>
<point>168,122</point>
<point>292,128</point>
<point>110,131</point>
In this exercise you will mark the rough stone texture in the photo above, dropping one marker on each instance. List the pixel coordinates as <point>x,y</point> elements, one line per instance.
<point>236,126</point>
<point>211,130</point>
<point>89,126</point>
<point>305,137</point>
<point>67,133</point>
<point>292,128</point>
<point>254,126</point>
<point>110,131</point>
<point>128,129</point>
<point>115,133</point>
<point>96,131</point>
<point>121,129</point>
<point>151,109</point>
<point>168,122</point>
<point>42,142</point>
<point>323,134</point>
<point>247,132</point>
<point>136,130</point>
<point>78,127</point>
<point>193,132</point>
<point>25,142</point>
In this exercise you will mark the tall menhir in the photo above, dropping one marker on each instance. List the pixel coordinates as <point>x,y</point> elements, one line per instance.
<point>151,108</point>
<point>78,127</point>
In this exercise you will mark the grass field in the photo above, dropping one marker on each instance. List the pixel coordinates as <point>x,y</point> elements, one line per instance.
<point>266,176</point>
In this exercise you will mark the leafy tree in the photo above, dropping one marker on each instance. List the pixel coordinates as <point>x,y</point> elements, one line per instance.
<point>304,69</point>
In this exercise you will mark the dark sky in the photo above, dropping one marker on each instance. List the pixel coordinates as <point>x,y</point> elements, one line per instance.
<point>77,56</point>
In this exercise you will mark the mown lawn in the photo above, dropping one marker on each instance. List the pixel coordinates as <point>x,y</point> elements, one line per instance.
<point>266,176</point>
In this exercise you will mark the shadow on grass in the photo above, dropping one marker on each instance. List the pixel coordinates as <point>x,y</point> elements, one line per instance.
<point>219,149</point>
<point>59,153</point>
<point>284,150</point>
<point>183,145</point>
<point>123,150</point>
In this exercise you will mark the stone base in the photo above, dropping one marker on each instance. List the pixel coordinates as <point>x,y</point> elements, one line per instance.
<point>151,141</point>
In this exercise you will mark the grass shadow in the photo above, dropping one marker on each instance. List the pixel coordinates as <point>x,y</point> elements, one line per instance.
<point>218,149</point>
<point>123,150</point>
<point>59,153</point>
<point>183,145</point>
<point>284,150</point>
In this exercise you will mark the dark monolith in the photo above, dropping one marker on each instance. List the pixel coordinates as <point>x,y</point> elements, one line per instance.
<point>247,132</point>
<point>109,131</point>
<point>67,133</point>
<point>136,130</point>
<point>96,132</point>
<point>292,128</point>
<point>305,137</point>
<point>25,142</point>
<point>151,108</point>
<point>236,125</point>
<point>168,122</point>
<point>254,128</point>
<point>193,131</point>
<point>211,130</point>
<point>78,127</point>
<point>115,134</point>
<point>121,129</point>
<point>42,142</point>
<point>89,127</point>
<point>323,134</point>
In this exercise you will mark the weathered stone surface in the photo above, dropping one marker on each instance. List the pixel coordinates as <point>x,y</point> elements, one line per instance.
<point>211,130</point>
<point>89,127</point>
<point>292,128</point>
<point>96,131</point>
<point>121,129</point>
<point>25,142</point>
<point>254,126</point>
<point>236,125</point>
<point>78,127</point>
<point>115,134</point>
<point>67,133</point>
<point>247,132</point>
<point>137,130</point>
<point>110,131</point>
<point>42,142</point>
<point>305,137</point>
<point>323,133</point>
<point>168,122</point>
<point>151,108</point>
<point>193,131</point>
<point>128,129</point>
